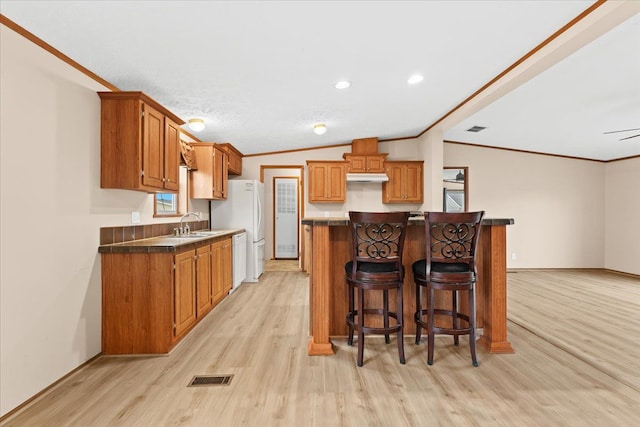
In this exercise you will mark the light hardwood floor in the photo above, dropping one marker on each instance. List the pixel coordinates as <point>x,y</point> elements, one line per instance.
<point>575,365</point>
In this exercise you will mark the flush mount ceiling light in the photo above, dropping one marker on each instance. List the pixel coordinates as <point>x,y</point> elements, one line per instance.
<point>343,84</point>
<point>196,125</point>
<point>320,128</point>
<point>415,79</point>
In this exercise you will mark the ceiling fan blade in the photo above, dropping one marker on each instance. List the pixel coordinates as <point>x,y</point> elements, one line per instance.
<point>623,130</point>
<point>629,137</point>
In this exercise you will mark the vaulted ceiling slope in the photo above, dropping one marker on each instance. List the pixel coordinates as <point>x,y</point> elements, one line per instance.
<point>262,73</point>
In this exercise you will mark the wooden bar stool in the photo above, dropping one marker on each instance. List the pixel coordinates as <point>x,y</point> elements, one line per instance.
<point>376,265</point>
<point>450,265</point>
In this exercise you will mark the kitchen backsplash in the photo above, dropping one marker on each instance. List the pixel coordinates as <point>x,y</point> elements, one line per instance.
<point>109,235</point>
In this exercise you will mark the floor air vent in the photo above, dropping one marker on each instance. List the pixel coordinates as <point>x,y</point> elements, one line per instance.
<point>206,381</point>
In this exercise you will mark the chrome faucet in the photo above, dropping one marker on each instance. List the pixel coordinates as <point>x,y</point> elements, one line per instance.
<point>185,229</point>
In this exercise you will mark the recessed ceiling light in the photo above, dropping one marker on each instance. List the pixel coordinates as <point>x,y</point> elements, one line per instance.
<point>416,78</point>
<point>196,125</point>
<point>343,84</point>
<point>320,128</point>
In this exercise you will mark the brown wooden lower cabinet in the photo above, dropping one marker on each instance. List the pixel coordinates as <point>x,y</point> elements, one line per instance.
<point>185,292</point>
<point>204,294</point>
<point>222,277</point>
<point>150,301</point>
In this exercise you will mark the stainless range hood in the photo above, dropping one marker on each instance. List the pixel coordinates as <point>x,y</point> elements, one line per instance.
<point>367,177</point>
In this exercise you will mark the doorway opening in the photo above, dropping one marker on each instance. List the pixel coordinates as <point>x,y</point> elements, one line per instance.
<point>455,187</point>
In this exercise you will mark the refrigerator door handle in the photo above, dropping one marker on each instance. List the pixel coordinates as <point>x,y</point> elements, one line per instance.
<point>259,212</point>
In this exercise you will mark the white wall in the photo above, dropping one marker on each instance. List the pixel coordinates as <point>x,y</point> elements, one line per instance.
<point>52,209</point>
<point>622,212</point>
<point>557,204</point>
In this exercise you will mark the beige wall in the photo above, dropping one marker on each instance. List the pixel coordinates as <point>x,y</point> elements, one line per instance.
<point>622,210</point>
<point>557,204</point>
<point>360,196</point>
<point>52,209</point>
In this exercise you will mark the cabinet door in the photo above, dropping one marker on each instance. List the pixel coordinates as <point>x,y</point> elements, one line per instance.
<point>235,163</point>
<point>217,271</point>
<point>375,164</point>
<point>357,164</point>
<point>201,180</point>
<point>171,155</point>
<point>220,173</point>
<point>218,159</point>
<point>414,183</point>
<point>317,182</point>
<point>227,270</point>
<point>184,292</point>
<point>153,148</point>
<point>336,182</point>
<point>392,189</point>
<point>203,280</point>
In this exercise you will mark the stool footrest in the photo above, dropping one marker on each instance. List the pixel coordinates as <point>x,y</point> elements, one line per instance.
<point>351,316</point>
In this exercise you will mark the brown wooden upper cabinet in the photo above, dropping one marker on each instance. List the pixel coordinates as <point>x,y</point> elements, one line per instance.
<point>234,157</point>
<point>327,181</point>
<point>139,144</point>
<point>370,163</point>
<point>210,180</point>
<point>405,183</point>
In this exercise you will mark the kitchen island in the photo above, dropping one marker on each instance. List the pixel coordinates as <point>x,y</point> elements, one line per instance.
<point>331,249</point>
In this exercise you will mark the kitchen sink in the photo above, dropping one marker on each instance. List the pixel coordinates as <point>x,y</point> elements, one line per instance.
<point>202,234</point>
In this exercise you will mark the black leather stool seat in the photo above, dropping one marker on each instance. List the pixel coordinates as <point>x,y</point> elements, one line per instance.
<point>420,267</point>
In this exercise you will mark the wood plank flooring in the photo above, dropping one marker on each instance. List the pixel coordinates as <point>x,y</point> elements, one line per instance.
<point>557,377</point>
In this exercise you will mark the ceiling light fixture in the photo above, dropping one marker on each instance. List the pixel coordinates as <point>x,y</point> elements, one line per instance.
<point>343,84</point>
<point>196,125</point>
<point>415,79</point>
<point>320,128</point>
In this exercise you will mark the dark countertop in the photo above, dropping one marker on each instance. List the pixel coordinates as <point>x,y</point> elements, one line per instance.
<point>341,221</point>
<point>168,243</point>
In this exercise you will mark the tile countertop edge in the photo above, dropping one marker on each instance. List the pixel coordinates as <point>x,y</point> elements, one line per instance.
<point>338,221</point>
<point>163,243</point>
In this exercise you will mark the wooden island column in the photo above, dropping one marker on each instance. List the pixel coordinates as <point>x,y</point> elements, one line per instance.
<point>319,305</point>
<point>330,250</point>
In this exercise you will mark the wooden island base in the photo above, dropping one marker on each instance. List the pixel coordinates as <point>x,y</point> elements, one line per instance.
<point>331,249</point>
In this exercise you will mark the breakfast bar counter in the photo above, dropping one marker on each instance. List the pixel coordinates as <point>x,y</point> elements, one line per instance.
<point>331,249</point>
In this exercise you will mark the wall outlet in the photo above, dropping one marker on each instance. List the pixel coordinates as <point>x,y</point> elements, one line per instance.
<point>513,256</point>
<point>135,217</point>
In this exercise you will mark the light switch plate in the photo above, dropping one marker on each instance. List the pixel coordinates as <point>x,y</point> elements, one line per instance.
<point>135,217</point>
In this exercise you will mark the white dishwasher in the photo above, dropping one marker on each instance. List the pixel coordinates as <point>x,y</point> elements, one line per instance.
<point>239,244</point>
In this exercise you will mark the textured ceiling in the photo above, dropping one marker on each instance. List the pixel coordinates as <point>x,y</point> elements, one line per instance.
<point>262,73</point>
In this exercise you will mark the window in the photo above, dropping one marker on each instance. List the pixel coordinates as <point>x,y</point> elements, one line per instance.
<point>166,204</point>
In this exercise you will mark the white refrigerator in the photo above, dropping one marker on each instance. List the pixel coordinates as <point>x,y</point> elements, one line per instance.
<point>244,208</point>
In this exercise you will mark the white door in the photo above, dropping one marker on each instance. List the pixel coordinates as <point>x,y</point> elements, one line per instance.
<point>285,205</point>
